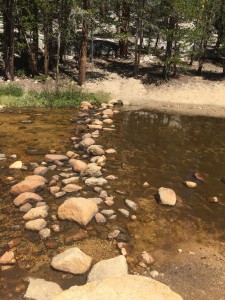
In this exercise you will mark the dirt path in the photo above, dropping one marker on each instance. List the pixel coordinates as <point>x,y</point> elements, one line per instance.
<point>186,95</point>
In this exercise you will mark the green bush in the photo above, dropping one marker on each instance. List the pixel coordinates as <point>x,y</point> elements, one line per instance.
<point>11,90</point>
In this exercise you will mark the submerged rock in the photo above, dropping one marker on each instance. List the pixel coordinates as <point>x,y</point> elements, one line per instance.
<point>55,157</point>
<point>40,170</point>
<point>72,260</point>
<point>77,165</point>
<point>27,185</point>
<point>7,258</point>
<point>167,196</point>
<point>27,197</point>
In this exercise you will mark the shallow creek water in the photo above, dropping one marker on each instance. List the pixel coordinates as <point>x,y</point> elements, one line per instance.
<point>163,150</point>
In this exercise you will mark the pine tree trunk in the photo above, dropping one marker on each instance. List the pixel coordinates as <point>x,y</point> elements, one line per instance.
<point>84,43</point>
<point>9,43</point>
<point>46,47</point>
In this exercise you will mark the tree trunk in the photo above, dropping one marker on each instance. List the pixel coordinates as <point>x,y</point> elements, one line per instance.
<point>125,19</point>
<point>84,43</point>
<point>202,57</point>
<point>9,43</point>
<point>46,46</point>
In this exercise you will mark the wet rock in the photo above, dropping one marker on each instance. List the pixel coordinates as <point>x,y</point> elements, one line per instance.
<point>72,260</point>
<point>132,205</point>
<point>71,154</point>
<point>103,194</point>
<point>108,112</point>
<point>40,171</point>
<point>213,200</point>
<point>86,135</point>
<point>95,150</point>
<point>80,210</point>
<point>92,170</point>
<point>16,165</point>
<point>36,213</point>
<point>60,194</point>
<point>25,208</point>
<point>123,237</point>
<point>77,165</point>
<point>108,121</point>
<point>2,156</point>
<point>70,188</point>
<point>66,175</point>
<point>124,212</point>
<point>113,234</point>
<point>111,177</point>
<point>145,184</point>
<point>70,180</point>
<point>45,233</point>
<point>14,243</point>
<point>75,235</point>
<point>190,184</point>
<point>108,129</point>
<point>99,160</point>
<point>85,143</point>
<point>55,157</point>
<point>107,212</point>
<point>113,267</point>
<point>109,201</point>
<point>93,181</point>
<point>36,225</point>
<point>39,289</point>
<point>198,176</point>
<point>100,219</point>
<point>56,228</point>
<point>167,196</point>
<point>7,258</point>
<point>54,189</point>
<point>97,122</point>
<point>110,151</point>
<point>52,167</point>
<point>27,197</point>
<point>92,126</point>
<point>154,274</point>
<point>147,258</point>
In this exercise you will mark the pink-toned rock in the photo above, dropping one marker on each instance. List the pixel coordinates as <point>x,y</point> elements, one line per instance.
<point>77,165</point>
<point>108,121</point>
<point>60,194</point>
<point>27,186</point>
<point>55,157</point>
<point>7,258</point>
<point>27,197</point>
<point>107,112</point>
<point>25,208</point>
<point>71,154</point>
<point>36,177</point>
<point>79,209</point>
<point>40,171</point>
<point>70,188</point>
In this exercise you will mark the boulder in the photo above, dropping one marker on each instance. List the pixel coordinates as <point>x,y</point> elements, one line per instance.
<point>27,197</point>
<point>36,213</point>
<point>92,170</point>
<point>55,157</point>
<point>93,181</point>
<point>79,209</point>
<point>167,196</point>
<point>95,150</point>
<point>72,260</point>
<point>36,225</point>
<point>39,289</point>
<point>77,165</point>
<point>112,267</point>
<point>124,287</point>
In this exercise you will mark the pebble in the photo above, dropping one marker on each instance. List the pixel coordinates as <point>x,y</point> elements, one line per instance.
<point>70,188</point>
<point>54,189</point>
<point>124,212</point>
<point>36,225</point>
<point>108,212</point>
<point>16,165</point>
<point>45,233</point>
<point>213,200</point>
<point>2,156</point>
<point>113,234</point>
<point>131,204</point>
<point>56,228</point>
<point>154,274</point>
<point>7,258</point>
<point>60,194</point>
<point>100,219</point>
<point>145,184</point>
<point>25,208</point>
<point>111,177</point>
<point>179,250</point>
<point>70,180</point>
<point>190,184</point>
<point>147,258</point>
<point>110,151</point>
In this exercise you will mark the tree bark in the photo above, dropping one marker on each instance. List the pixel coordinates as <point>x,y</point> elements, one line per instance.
<point>9,43</point>
<point>84,44</point>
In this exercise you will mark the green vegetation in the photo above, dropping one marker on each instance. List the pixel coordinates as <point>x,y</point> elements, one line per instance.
<point>71,96</point>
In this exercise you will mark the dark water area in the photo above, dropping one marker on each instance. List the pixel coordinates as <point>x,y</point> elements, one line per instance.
<point>161,149</point>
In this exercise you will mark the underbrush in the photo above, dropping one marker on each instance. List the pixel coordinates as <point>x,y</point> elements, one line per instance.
<point>71,96</point>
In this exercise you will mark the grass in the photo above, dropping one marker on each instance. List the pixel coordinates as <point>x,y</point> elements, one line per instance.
<point>71,96</point>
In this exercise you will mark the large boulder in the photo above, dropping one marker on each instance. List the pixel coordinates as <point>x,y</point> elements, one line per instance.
<point>72,260</point>
<point>124,287</point>
<point>78,209</point>
<point>27,197</point>
<point>40,289</point>
<point>112,267</point>
<point>167,196</point>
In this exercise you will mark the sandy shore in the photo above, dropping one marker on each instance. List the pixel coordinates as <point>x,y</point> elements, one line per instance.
<point>186,95</point>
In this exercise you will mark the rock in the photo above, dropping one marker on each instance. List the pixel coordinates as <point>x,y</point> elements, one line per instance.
<point>93,181</point>
<point>108,121</point>
<point>99,160</point>
<point>40,171</point>
<point>16,165</point>
<point>107,112</point>
<point>77,165</point>
<point>109,201</point>
<point>100,219</point>
<point>113,267</point>
<point>70,188</point>
<point>86,135</point>
<point>92,170</point>
<point>72,260</point>
<point>85,143</point>
<point>103,194</point>
<point>92,126</point>
<point>190,184</point>
<point>198,176</point>
<point>39,289</point>
<point>111,177</point>
<point>56,228</point>
<point>75,235</point>
<point>107,212</point>
<point>113,234</point>
<point>54,189</point>
<point>55,157</point>
<point>123,287</point>
<point>97,122</point>
<point>98,201</point>
<point>36,178</point>
<point>27,197</point>
<point>45,233</point>
<point>66,175</point>
<point>2,156</point>
<point>71,154</point>
<point>60,194</point>
<point>85,104</point>
<point>27,186</point>
<point>213,200</point>
<point>70,180</point>
<point>80,210</point>
<point>124,212</point>
<point>7,258</point>
<point>167,196</point>
<point>39,204</point>
<point>36,225</point>
<point>145,184</point>
<point>154,274</point>
<point>147,258</point>
<point>36,213</point>
<point>110,151</point>
<point>25,208</point>
<point>95,150</point>
<point>132,205</point>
